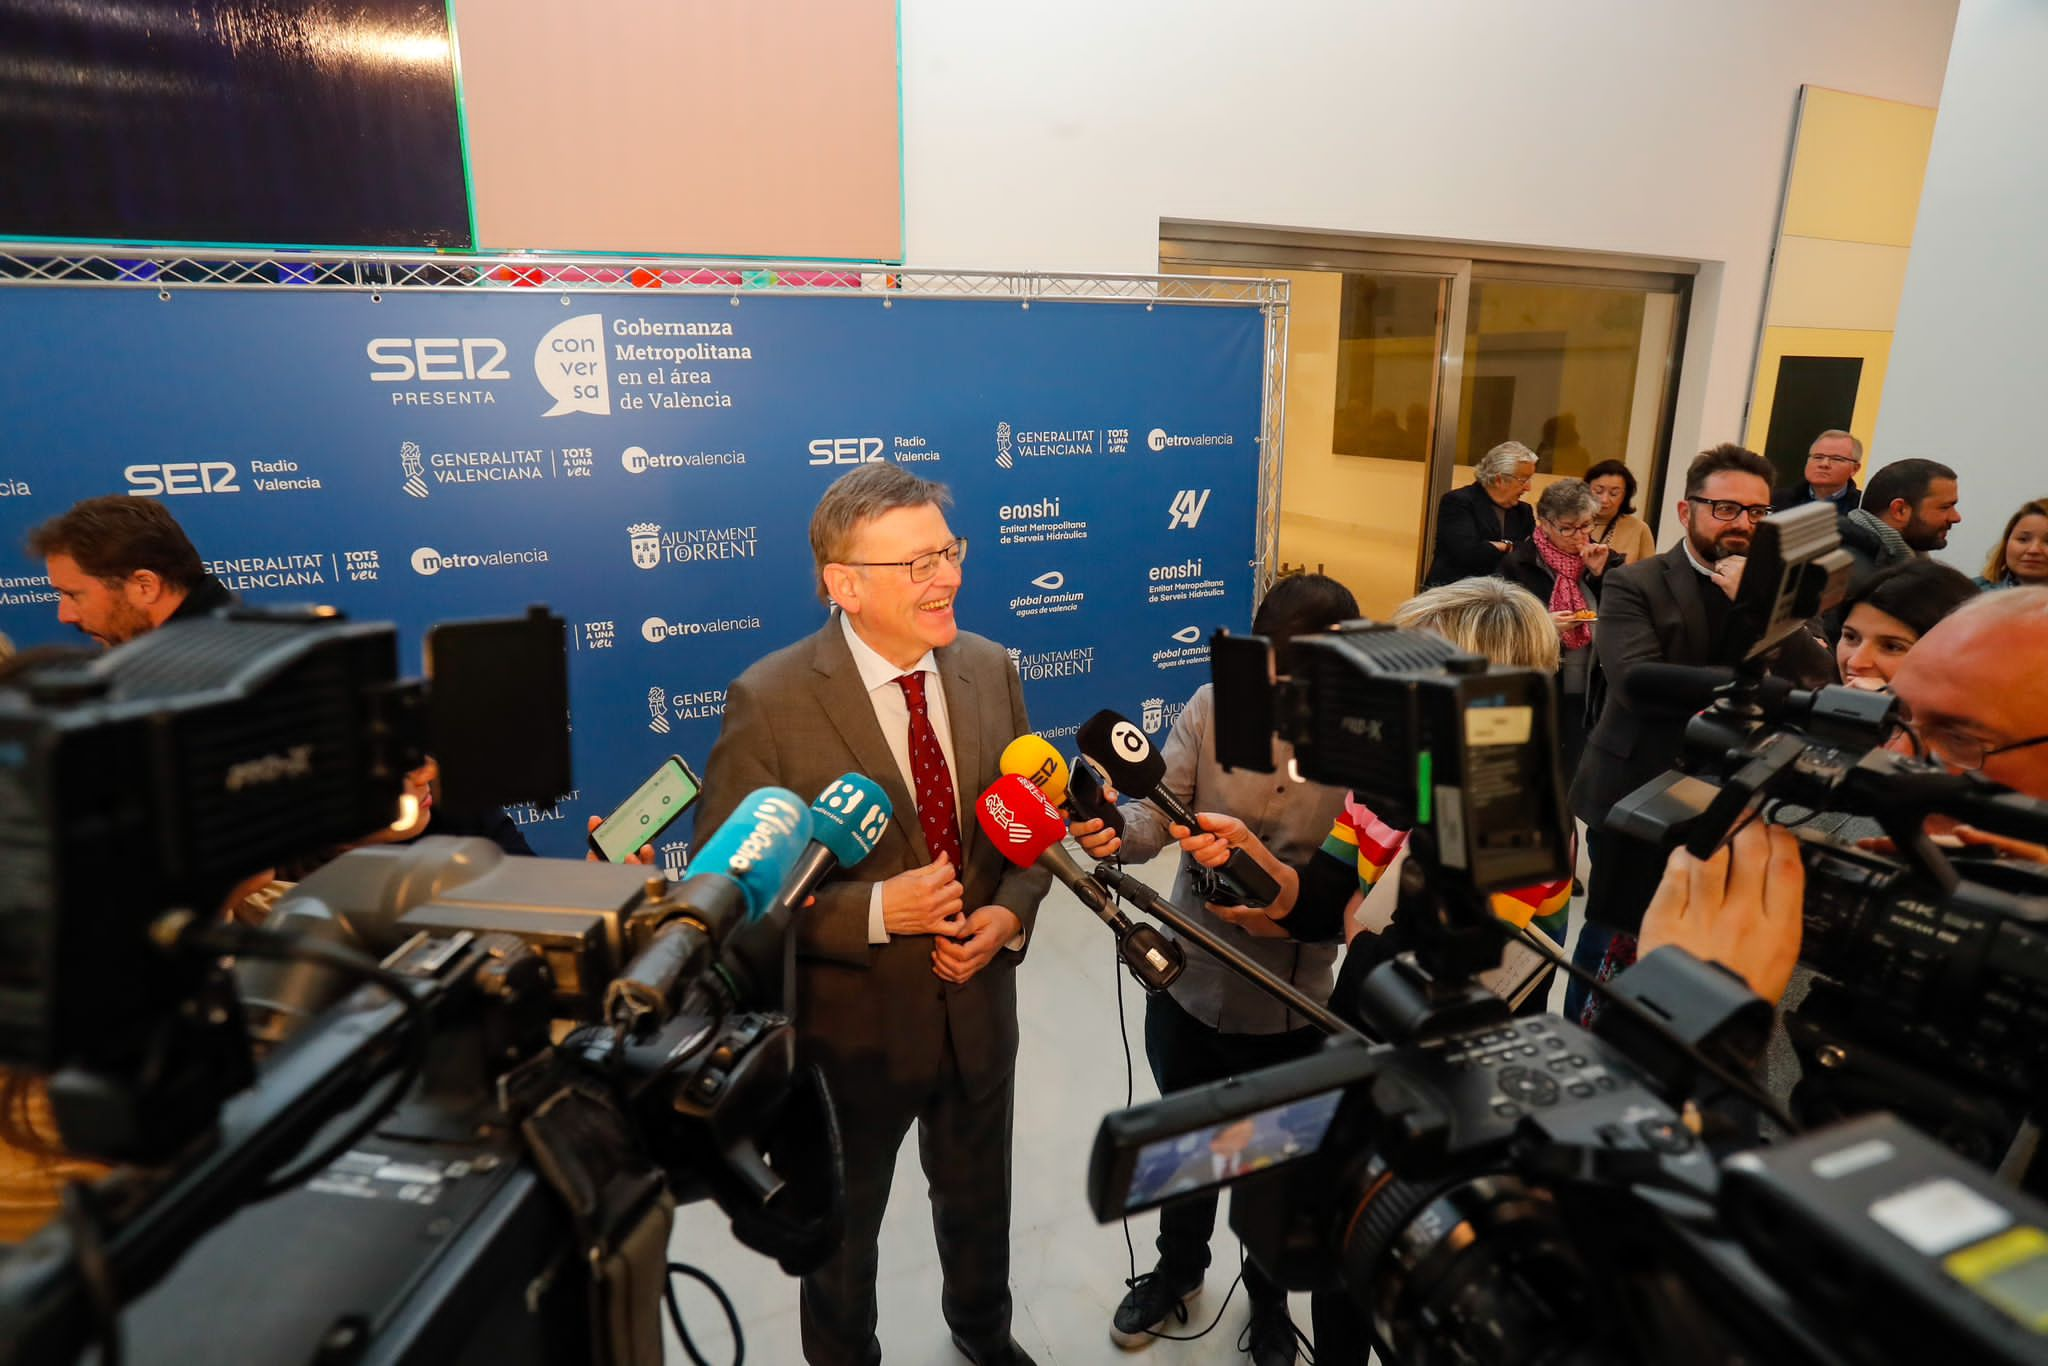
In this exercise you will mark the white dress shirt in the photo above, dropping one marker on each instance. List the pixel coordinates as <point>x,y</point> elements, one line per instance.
<point>892,711</point>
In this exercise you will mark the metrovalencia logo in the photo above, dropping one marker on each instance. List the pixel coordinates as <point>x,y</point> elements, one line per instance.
<point>429,561</point>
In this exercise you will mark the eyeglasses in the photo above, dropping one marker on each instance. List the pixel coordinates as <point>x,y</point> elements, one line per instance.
<point>924,566</point>
<point>1958,748</point>
<point>1571,528</point>
<point>1727,509</point>
<point>1831,459</point>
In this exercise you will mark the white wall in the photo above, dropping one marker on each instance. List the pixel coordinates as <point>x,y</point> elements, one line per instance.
<point>1969,355</point>
<point>1056,135</point>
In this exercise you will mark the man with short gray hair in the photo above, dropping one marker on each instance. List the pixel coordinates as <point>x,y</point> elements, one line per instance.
<point>1831,465</point>
<point>1478,524</point>
<point>906,997</point>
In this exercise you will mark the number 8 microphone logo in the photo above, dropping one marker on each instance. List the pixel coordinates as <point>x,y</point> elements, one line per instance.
<point>1129,741</point>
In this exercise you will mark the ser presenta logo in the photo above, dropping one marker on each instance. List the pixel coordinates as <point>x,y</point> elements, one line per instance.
<point>1186,509</point>
<point>436,360</point>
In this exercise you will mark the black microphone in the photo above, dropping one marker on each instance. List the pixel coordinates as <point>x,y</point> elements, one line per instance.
<point>847,820</point>
<point>1086,796</point>
<point>1132,764</point>
<point>1688,689</point>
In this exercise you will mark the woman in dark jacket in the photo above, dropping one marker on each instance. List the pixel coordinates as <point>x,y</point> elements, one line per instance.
<point>1478,524</point>
<point>1563,566</point>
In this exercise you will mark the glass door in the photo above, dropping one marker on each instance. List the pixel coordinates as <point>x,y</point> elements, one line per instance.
<point>1403,368</point>
<point>1371,389</point>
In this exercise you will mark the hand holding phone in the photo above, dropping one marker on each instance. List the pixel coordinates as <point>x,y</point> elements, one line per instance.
<point>641,818</point>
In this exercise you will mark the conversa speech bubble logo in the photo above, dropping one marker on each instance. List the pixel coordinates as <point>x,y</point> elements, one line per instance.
<point>569,362</point>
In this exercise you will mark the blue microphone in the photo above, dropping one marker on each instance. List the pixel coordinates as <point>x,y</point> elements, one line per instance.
<point>755,970</point>
<point>847,822</point>
<point>734,880</point>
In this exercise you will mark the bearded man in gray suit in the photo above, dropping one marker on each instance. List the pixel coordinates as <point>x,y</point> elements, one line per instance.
<point>905,991</point>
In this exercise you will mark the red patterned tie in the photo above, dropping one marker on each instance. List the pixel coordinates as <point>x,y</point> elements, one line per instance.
<point>936,809</point>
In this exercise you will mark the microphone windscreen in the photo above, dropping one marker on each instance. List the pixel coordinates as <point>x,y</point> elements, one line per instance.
<point>849,817</point>
<point>1018,820</point>
<point>758,845</point>
<point>1125,754</point>
<point>1032,758</point>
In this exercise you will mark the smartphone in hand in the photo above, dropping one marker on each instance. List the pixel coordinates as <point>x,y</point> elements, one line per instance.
<point>642,817</point>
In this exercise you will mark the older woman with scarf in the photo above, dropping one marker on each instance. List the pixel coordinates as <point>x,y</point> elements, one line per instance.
<point>1562,565</point>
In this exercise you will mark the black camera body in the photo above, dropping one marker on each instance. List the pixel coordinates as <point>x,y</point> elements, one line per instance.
<point>1487,1188</point>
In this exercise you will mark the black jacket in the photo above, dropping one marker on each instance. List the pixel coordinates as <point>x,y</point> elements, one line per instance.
<point>1524,565</point>
<point>1467,522</point>
<point>206,595</point>
<point>1802,493</point>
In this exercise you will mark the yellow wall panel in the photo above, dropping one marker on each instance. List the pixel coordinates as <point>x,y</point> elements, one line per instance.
<point>1874,347</point>
<point>1857,173</point>
<point>1819,282</point>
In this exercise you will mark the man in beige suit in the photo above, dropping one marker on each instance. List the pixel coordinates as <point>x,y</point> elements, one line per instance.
<point>905,996</point>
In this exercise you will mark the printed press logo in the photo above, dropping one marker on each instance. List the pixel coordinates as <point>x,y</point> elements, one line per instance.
<point>1037,523</point>
<point>569,363</point>
<point>639,460</point>
<point>1188,648</point>
<point>1160,439</point>
<point>655,630</point>
<point>1186,509</point>
<point>657,711</point>
<point>1003,456</point>
<point>1052,596</point>
<point>1187,581</point>
<point>645,541</point>
<point>179,478</point>
<point>414,464</point>
<point>1072,662</point>
<point>429,561</point>
<point>1158,714</point>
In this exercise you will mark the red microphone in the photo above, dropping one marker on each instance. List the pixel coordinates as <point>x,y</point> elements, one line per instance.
<point>1027,830</point>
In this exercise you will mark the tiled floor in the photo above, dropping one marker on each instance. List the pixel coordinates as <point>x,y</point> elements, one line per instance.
<point>1068,1271</point>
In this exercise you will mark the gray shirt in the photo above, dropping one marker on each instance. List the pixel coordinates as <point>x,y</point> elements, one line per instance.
<point>1292,818</point>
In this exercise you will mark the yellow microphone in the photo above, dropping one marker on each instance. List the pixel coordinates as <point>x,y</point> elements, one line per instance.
<point>1032,758</point>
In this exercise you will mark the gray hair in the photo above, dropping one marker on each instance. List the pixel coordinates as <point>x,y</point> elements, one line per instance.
<point>1502,462</point>
<point>1837,434</point>
<point>857,498</point>
<point>1487,616</point>
<point>1566,498</point>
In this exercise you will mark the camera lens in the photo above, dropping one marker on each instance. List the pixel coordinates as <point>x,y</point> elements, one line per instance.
<point>1474,1268</point>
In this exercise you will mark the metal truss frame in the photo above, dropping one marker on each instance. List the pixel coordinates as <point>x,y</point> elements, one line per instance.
<point>166,270</point>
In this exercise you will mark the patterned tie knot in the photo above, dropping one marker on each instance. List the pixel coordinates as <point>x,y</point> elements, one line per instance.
<point>913,691</point>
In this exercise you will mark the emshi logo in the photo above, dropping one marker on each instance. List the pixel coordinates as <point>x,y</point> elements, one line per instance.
<point>646,543</point>
<point>415,469</point>
<point>1051,581</point>
<point>1186,509</point>
<point>1003,456</point>
<point>569,362</point>
<point>657,711</point>
<point>1188,635</point>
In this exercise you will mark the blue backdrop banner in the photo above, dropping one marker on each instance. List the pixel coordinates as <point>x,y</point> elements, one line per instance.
<point>647,464</point>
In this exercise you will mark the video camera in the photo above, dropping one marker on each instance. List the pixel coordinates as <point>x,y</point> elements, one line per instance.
<point>490,1078</point>
<point>1495,1189</point>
